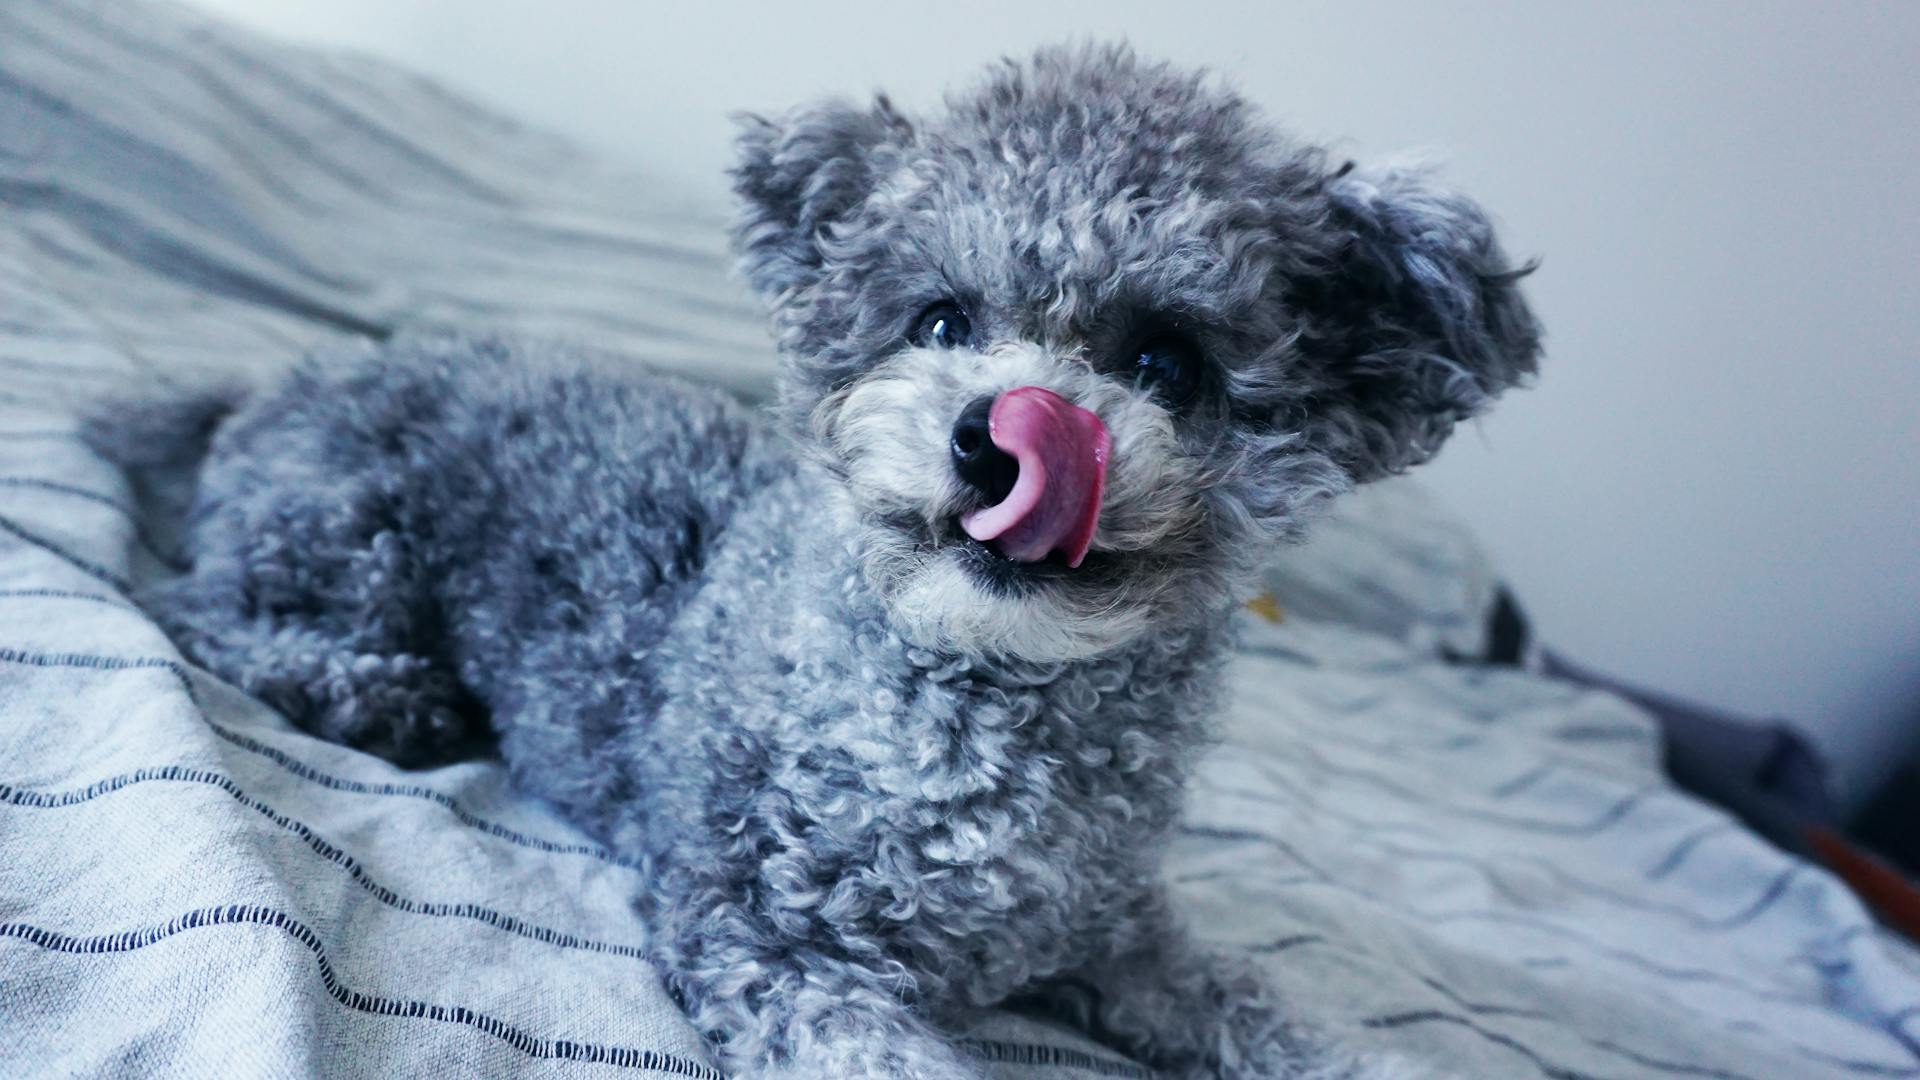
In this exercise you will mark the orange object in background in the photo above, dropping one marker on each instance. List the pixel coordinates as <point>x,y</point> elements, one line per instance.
<point>1896,899</point>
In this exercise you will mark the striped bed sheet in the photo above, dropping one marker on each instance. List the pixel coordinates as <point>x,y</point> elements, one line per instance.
<point>1479,868</point>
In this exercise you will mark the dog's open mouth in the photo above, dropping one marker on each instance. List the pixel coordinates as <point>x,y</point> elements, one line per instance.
<point>987,564</point>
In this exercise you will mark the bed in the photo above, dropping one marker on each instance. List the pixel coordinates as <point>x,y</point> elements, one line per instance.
<point>1474,866</point>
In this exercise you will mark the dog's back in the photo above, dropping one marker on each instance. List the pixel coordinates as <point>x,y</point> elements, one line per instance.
<point>374,538</point>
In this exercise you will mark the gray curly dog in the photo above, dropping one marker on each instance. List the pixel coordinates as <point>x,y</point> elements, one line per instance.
<point>894,691</point>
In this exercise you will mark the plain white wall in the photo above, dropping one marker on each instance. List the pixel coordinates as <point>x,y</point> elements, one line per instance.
<point>1714,489</point>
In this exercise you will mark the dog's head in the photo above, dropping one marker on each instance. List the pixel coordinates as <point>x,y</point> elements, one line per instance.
<point>1083,347</point>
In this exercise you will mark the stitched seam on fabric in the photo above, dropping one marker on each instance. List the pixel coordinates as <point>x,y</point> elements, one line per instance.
<point>260,915</point>
<point>321,847</point>
<point>307,772</point>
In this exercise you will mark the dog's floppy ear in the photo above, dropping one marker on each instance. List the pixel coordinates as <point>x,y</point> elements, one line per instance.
<point>800,173</point>
<point>1415,321</point>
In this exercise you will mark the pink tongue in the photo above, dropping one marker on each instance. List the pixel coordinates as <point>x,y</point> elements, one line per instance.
<point>1055,502</point>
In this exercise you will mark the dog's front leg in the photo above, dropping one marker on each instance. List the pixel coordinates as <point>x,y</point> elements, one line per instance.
<point>775,1008</point>
<point>1190,1011</point>
<point>825,1025</point>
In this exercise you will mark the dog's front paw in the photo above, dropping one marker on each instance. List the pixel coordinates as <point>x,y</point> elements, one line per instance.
<point>1257,1043</point>
<point>1254,1043</point>
<point>870,1056</point>
<point>1210,1017</point>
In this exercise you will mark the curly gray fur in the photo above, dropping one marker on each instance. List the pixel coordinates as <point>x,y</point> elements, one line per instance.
<point>877,780</point>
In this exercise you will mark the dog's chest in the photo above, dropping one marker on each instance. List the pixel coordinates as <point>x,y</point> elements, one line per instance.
<point>911,799</point>
<point>946,800</point>
<point>999,823</point>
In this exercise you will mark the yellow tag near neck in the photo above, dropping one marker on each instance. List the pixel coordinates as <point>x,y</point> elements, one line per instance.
<point>1267,608</point>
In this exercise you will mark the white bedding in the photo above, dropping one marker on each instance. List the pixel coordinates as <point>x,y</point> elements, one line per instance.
<point>1478,867</point>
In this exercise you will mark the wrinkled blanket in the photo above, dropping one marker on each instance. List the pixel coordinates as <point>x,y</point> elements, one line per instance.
<point>1477,867</point>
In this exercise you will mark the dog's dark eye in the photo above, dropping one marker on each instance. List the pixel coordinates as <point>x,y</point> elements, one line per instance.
<point>1169,365</point>
<point>942,326</point>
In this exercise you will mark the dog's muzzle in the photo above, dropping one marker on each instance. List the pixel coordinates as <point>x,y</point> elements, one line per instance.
<point>1046,498</point>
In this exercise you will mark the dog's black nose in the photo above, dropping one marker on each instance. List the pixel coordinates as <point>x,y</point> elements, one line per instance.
<point>981,465</point>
